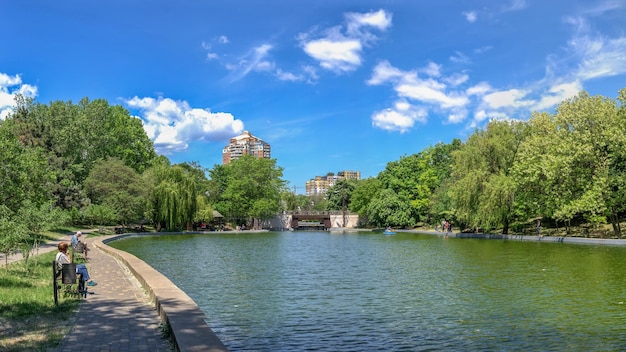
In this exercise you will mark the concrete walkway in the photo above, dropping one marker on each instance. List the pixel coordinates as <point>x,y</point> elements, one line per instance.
<point>117,314</point>
<point>126,311</point>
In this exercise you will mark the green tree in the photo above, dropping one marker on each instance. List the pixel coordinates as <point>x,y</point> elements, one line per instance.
<point>573,161</point>
<point>388,209</point>
<point>364,192</point>
<point>76,136</point>
<point>14,233</point>
<point>483,189</point>
<point>252,190</point>
<point>339,196</point>
<point>205,211</point>
<point>24,173</point>
<point>100,214</point>
<point>173,201</point>
<point>113,184</point>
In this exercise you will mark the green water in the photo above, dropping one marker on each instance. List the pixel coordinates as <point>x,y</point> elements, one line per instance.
<point>317,291</point>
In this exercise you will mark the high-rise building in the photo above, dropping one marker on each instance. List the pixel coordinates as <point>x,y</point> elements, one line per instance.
<point>245,144</point>
<point>321,184</point>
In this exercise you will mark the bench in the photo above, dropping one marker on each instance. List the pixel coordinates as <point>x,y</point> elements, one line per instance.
<point>68,278</point>
<point>80,249</point>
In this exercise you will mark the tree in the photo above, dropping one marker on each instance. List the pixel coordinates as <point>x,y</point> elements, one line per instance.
<point>14,233</point>
<point>205,211</point>
<point>173,201</point>
<point>573,161</point>
<point>252,188</point>
<point>340,194</point>
<point>388,209</point>
<point>74,137</point>
<point>483,189</point>
<point>100,214</point>
<point>363,194</point>
<point>24,173</point>
<point>116,186</point>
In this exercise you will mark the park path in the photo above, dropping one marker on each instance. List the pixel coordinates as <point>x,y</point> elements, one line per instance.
<point>117,314</point>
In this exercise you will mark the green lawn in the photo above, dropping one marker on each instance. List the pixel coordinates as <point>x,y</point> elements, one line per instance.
<point>29,320</point>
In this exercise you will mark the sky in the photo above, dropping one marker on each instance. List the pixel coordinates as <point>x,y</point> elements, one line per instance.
<point>332,85</point>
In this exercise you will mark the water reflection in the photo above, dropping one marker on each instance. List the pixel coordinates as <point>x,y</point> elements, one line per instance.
<point>368,292</point>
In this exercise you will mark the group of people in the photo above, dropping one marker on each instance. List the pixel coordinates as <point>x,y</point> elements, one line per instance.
<point>446,226</point>
<point>63,257</point>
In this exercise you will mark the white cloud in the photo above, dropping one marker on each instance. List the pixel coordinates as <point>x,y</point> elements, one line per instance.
<point>470,16</point>
<point>460,58</point>
<point>359,24</point>
<point>512,98</point>
<point>429,93</point>
<point>335,55</point>
<point>10,86</point>
<point>339,48</point>
<point>254,60</point>
<point>514,5</point>
<point>383,72</point>
<point>432,69</point>
<point>223,39</point>
<point>456,79</point>
<point>400,118</point>
<point>288,76</point>
<point>557,94</point>
<point>479,89</point>
<point>172,124</point>
<point>600,57</point>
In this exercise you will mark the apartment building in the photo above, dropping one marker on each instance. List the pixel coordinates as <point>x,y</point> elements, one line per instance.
<point>321,184</point>
<point>245,144</point>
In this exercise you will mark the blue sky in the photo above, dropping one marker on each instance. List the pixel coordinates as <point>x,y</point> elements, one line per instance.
<point>331,85</point>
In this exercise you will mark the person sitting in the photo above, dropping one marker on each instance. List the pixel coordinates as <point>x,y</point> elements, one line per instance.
<point>76,240</point>
<point>64,258</point>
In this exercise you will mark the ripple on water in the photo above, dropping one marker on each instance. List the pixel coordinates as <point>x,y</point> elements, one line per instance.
<point>367,292</point>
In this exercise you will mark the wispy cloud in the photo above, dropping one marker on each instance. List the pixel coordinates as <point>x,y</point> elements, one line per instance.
<point>208,47</point>
<point>173,124</point>
<point>596,55</point>
<point>339,48</point>
<point>513,5</point>
<point>470,16</point>
<point>460,58</point>
<point>10,86</point>
<point>454,98</point>
<point>257,59</point>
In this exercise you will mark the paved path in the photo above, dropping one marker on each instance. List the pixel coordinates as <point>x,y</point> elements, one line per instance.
<point>118,316</point>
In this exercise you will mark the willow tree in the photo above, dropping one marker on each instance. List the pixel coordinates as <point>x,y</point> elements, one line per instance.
<point>483,189</point>
<point>173,200</point>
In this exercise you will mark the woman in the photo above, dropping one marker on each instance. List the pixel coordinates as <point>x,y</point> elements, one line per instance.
<point>64,258</point>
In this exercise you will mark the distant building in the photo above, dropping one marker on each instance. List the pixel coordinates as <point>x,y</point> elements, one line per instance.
<point>321,184</point>
<point>245,144</point>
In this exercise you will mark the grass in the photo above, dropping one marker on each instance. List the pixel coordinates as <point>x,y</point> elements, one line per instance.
<point>29,320</point>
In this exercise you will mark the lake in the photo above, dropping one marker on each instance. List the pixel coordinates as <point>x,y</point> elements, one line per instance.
<point>321,291</point>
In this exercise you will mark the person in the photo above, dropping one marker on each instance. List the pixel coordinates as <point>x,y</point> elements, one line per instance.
<point>64,258</point>
<point>76,240</point>
<point>539,228</point>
